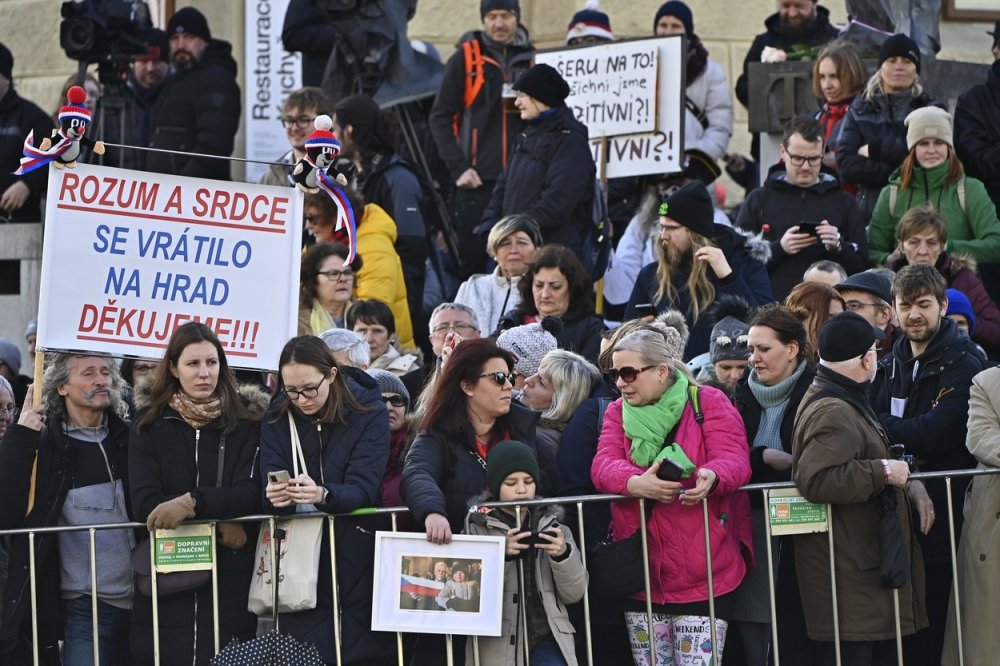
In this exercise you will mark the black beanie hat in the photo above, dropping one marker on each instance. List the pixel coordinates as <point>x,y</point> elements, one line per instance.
<point>691,206</point>
<point>899,45</point>
<point>191,21</point>
<point>544,84</point>
<point>487,6</point>
<point>677,9</point>
<point>6,62</point>
<point>507,457</point>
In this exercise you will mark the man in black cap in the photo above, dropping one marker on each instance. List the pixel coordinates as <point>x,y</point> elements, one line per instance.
<point>808,216</point>
<point>199,108</point>
<point>841,457</point>
<point>869,294</point>
<point>550,177</point>
<point>921,397</point>
<point>20,196</point>
<point>474,121</point>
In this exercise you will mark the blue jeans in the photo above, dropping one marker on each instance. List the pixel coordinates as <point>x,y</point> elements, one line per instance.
<point>112,632</point>
<point>547,653</point>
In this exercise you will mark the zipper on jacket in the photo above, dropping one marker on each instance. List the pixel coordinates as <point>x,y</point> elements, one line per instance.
<point>319,433</point>
<point>197,470</point>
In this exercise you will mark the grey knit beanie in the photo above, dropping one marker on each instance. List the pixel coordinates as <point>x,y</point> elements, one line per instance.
<point>389,383</point>
<point>529,343</point>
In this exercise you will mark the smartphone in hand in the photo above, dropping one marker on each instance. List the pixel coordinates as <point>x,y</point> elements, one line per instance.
<point>281,476</point>
<point>669,470</point>
<point>807,227</point>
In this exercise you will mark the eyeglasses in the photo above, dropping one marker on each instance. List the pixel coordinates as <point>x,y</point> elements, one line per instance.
<point>7,409</point>
<point>459,327</point>
<point>394,400</point>
<point>346,274</point>
<point>310,218</point>
<point>628,373</point>
<point>302,122</point>
<point>501,378</point>
<point>308,392</point>
<point>854,306</point>
<point>799,160</point>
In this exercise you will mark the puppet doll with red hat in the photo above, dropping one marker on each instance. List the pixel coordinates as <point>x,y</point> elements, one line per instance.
<point>74,118</point>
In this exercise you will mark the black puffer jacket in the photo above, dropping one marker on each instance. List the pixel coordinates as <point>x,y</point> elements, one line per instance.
<point>550,178</point>
<point>166,460</point>
<point>933,421</point>
<point>18,117</point>
<point>486,129</point>
<point>977,132</point>
<point>782,205</point>
<point>777,38</point>
<point>441,476</point>
<point>198,112</point>
<point>55,476</point>
<point>348,460</point>
<point>878,124</point>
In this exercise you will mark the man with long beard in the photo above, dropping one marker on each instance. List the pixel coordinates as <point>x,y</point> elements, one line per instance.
<point>199,109</point>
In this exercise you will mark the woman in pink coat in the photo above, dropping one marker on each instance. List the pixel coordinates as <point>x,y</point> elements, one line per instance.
<point>654,425</point>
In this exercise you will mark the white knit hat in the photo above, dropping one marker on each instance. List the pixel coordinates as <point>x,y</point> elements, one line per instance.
<point>929,122</point>
<point>529,343</point>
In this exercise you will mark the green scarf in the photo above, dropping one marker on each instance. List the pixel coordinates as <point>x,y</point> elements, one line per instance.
<point>648,426</point>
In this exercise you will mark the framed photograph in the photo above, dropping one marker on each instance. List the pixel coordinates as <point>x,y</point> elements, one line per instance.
<point>426,588</point>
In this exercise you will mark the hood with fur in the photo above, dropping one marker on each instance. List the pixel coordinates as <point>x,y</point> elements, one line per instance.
<point>555,511</point>
<point>254,397</point>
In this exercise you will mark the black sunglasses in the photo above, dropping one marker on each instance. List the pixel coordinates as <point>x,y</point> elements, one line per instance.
<point>501,378</point>
<point>394,400</point>
<point>628,373</point>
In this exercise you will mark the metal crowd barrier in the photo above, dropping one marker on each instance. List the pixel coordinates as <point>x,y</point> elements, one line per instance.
<point>578,501</point>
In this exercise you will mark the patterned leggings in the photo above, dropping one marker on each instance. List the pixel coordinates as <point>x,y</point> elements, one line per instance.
<point>679,640</point>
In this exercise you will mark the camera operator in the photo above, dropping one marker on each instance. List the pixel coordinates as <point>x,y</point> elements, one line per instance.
<point>921,396</point>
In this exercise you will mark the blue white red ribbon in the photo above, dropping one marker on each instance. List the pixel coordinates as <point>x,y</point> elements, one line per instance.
<point>345,212</point>
<point>35,158</point>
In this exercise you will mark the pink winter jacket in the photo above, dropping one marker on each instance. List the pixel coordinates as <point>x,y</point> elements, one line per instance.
<point>677,565</point>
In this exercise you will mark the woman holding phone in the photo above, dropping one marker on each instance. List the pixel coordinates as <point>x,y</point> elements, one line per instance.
<point>191,455</point>
<point>343,429</point>
<point>650,432</point>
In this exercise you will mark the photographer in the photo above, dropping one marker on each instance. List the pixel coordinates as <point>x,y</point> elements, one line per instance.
<point>921,396</point>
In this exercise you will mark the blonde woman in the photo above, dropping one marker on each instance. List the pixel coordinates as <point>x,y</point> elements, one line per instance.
<point>563,381</point>
<point>699,261</point>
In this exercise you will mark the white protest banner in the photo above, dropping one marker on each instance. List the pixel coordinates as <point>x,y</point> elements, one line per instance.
<point>657,151</point>
<point>130,256</point>
<point>271,73</point>
<point>612,86</point>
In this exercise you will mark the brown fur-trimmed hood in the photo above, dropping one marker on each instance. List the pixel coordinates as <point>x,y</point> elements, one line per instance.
<point>253,397</point>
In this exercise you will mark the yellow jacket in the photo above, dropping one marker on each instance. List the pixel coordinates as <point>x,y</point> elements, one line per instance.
<point>381,274</point>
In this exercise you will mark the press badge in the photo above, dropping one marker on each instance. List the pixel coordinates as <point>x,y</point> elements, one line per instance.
<point>508,90</point>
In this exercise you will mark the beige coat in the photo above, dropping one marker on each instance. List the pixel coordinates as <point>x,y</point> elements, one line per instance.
<point>560,583</point>
<point>979,549</point>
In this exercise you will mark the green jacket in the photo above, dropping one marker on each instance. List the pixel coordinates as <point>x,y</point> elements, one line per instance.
<point>973,231</point>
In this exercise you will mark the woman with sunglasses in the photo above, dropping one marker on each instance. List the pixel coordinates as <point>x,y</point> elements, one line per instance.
<point>191,455</point>
<point>469,412</point>
<point>343,428</point>
<point>648,433</point>
<point>326,287</point>
<point>781,371</point>
<point>397,404</point>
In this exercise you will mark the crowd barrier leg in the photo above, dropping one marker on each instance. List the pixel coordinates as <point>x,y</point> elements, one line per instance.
<point>450,650</point>
<point>155,599</point>
<point>771,579</point>
<point>899,628</point>
<point>93,595</point>
<point>523,603</point>
<point>32,580</point>
<point>833,589</point>
<point>399,634</point>
<point>645,576</point>
<point>273,554</point>
<point>586,591</point>
<point>711,585</point>
<point>954,573</point>
<point>336,601</point>
<point>215,591</point>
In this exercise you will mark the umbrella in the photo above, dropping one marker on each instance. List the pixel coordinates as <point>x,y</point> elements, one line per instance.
<point>271,649</point>
<point>894,561</point>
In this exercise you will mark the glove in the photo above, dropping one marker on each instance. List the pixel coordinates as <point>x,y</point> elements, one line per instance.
<point>170,514</point>
<point>232,535</point>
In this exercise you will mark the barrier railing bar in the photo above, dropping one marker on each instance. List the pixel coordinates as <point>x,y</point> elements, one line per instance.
<point>399,634</point>
<point>522,602</point>
<point>273,556</point>
<point>93,595</point>
<point>954,573</point>
<point>899,627</point>
<point>644,536</point>
<point>770,578</point>
<point>215,592</point>
<point>336,601</point>
<point>34,598</point>
<point>155,599</point>
<point>711,584</point>
<point>833,586</point>
<point>588,632</point>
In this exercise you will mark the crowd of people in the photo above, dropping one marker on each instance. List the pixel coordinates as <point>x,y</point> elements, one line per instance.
<point>837,329</point>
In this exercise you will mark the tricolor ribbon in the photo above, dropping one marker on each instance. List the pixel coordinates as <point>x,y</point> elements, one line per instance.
<point>35,158</point>
<point>345,212</point>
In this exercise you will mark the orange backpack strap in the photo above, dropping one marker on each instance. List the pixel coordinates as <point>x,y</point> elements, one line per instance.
<point>475,77</point>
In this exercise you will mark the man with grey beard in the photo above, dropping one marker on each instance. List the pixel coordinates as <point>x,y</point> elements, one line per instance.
<point>199,108</point>
<point>65,463</point>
